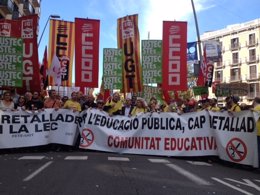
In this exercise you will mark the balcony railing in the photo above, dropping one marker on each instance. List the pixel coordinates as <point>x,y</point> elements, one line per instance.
<point>218,79</point>
<point>235,62</point>
<point>234,46</point>
<point>220,65</point>
<point>252,95</point>
<point>7,6</point>
<point>236,78</point>
<point>252,59</point>
<point>252,43</point>
<point>253,76</point>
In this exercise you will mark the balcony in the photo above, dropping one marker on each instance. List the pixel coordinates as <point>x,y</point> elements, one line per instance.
<point>28,8</point>
<point>235,78</point>
<point>235,62</point>
<point>253,59</point>
<point>218,79</point>
<point>234,46</point>
<point>252,43</point>
<point>253,77</point>
<point>6,6</point>
<point>36,3</point>
<point>252,95</point>
<point>220,65</point>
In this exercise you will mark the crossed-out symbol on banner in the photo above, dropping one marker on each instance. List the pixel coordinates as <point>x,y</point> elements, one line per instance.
<point>236,150</point>
<point>87,138</point>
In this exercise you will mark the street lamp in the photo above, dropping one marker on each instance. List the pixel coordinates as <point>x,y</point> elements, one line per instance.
<point>50,16</point>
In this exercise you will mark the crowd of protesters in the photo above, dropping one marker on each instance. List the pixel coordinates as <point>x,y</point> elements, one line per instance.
<point>116,105</point>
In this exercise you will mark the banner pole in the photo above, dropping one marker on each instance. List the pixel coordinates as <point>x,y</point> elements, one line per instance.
<point>197,30</point>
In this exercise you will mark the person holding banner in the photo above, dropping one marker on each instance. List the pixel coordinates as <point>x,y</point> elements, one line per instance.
<point>127,107</point>
<point>52,101</point>
<point>213,105</point>
<point>6,103</point>
<point>72,103</point>
<point>114,105</point>
<point>153,106</point>
<point>35,103</point>
<point>20,104</point>
<point>139,108</point>
<point>232,104</point>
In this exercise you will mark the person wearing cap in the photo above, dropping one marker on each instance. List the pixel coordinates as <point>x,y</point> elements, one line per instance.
<point>114,105</point>
<point>139,108</point>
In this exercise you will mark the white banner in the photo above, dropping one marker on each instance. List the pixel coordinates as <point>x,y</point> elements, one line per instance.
<point>236,136</point>
<point>22,128</point>
<point>167,134</point>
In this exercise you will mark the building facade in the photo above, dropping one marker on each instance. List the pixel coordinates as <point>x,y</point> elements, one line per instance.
<point>240,56</point>
<point>13,9</point>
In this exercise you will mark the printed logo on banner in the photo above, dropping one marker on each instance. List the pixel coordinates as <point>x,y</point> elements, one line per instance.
<point>127,29</point>
<point>87,138</point>
<point>27,28</point>
<point>5,29</point>
<point>174,29</point>
<point>87,28</point>
<point>236,150</point>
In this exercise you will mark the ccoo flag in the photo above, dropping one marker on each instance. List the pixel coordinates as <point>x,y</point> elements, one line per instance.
<point>87,52</point>
<point>129,41</point>
<point>174,56</point>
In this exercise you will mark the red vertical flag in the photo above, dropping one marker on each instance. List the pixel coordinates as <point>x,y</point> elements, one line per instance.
<point>129,41</point>
<point>44,68</point>
<point>86,53</point>
<point>174,70</point>
<point>26,28</point>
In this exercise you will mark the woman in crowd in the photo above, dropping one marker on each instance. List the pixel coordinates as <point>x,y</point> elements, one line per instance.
<point>6,103</point>
<point>20,104</point>
<point>139,108</point>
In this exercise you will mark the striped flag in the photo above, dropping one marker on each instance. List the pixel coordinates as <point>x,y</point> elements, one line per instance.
<point>129,41</point>
<point>61,45</point>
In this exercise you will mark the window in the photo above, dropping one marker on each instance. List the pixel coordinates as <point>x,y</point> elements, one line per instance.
<point>235,58</point>
<point>252,72</point>
<point>235,74</point>
<point>234,43</point>
<point>218,76</point>
<point>252,39</point>
<point>252,56</point>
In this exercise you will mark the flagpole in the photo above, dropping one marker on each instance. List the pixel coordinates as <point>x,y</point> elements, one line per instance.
<point>197,30</point>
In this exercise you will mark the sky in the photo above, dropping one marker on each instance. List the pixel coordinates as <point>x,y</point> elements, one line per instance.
<point>211,15</point>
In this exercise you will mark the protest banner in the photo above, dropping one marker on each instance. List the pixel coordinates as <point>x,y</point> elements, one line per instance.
<point>235,136</point>
<point>23,129</point>
<point>166,134</point>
